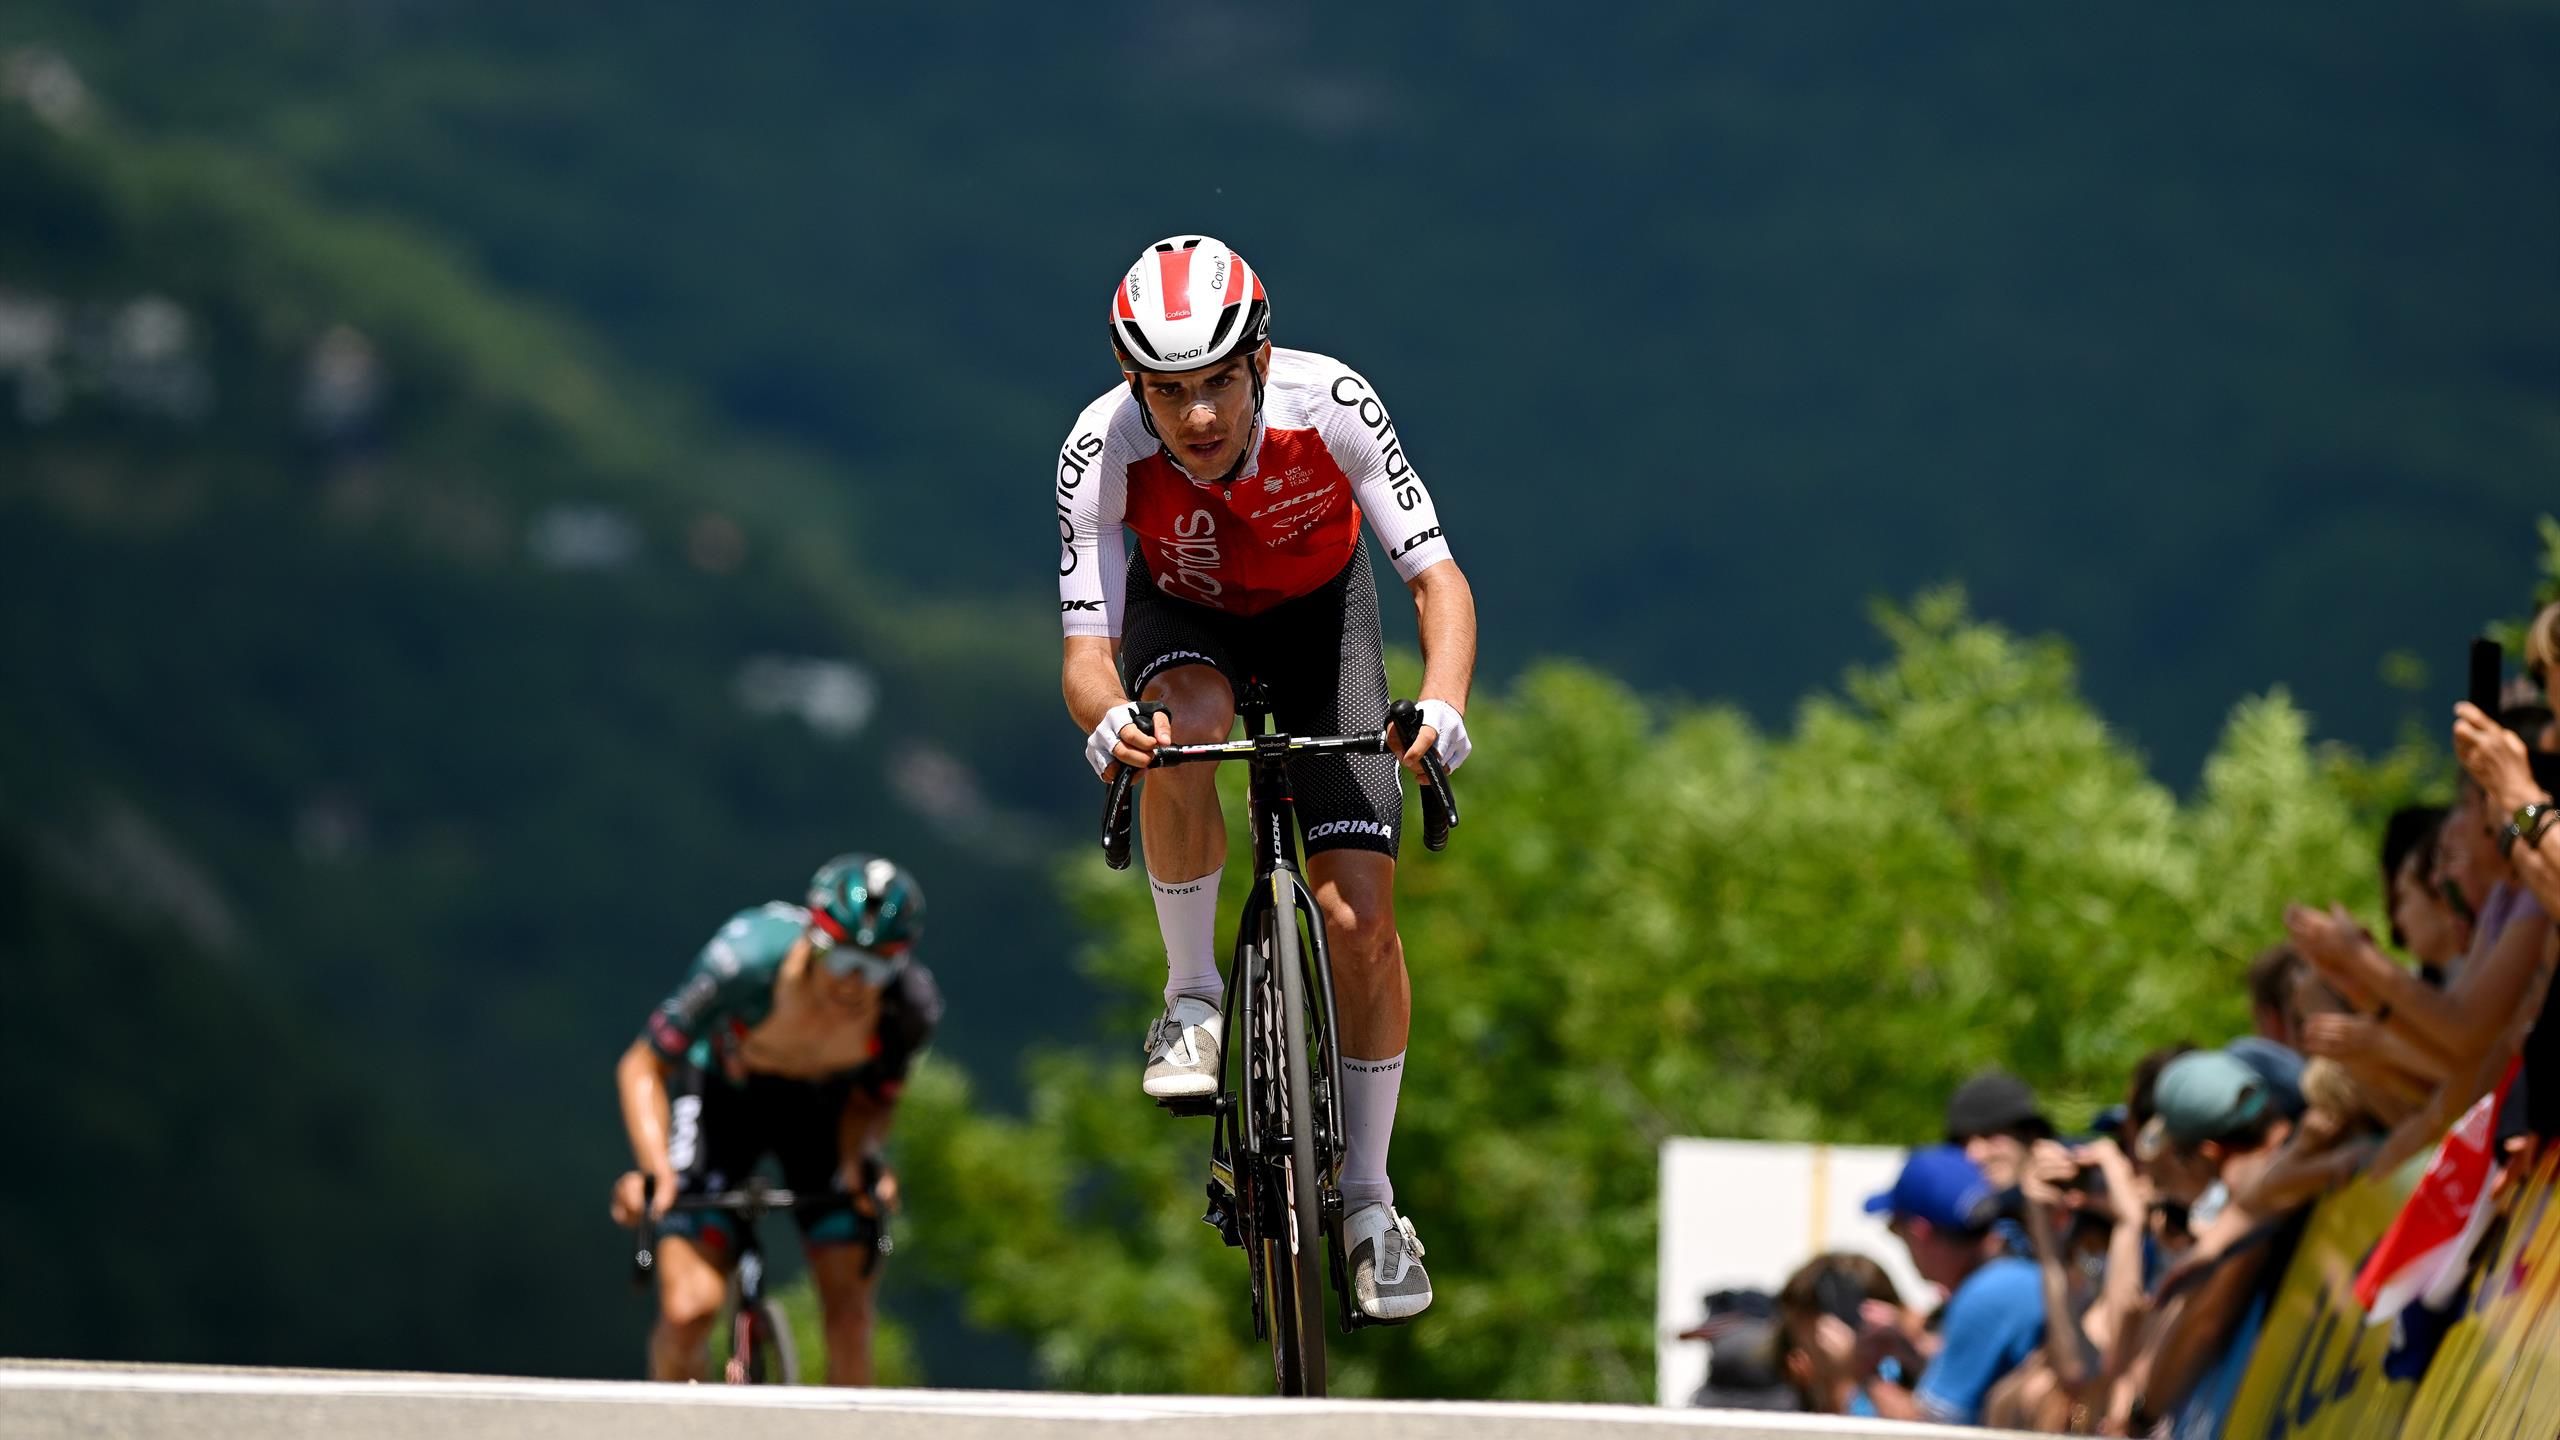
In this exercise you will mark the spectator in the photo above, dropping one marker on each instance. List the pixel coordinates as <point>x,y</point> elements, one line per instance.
<point>2330,1088</point>
<point>2178,1175</point>
<point>2448,1030</point>
<point>2278,1066</point>
<point>2087,1222</point>
<point>1745,1354</point>
<point>2426,924</point>
<point>2515,786</point>
<point>1993,1118</point>
<point>2271,980</point>
<point>2146,1078</point>
<point>2542,662</point>
<point>1943,1208</point>
<point>2213,1106</point>
<point>1821,1311</point>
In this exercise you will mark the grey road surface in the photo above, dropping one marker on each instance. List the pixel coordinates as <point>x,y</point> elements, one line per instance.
<point>53,1400</point>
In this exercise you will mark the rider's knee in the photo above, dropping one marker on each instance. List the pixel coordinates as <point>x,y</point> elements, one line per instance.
<point>845,1299</point>
<point>690,1309</point>
<point>1203,705</point>
<point>1361,936</point>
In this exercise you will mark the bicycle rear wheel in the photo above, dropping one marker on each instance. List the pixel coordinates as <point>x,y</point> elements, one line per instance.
<point>1300,1312</point>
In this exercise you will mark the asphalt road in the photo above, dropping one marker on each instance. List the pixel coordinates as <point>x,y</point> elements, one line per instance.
<point>51,1400</point>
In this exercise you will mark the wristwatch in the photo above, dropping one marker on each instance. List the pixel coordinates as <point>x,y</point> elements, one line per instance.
<point>2528,825</point>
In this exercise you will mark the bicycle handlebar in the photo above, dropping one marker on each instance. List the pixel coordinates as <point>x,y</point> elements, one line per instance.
<point>1404,720</point>
<point>767,1201</point>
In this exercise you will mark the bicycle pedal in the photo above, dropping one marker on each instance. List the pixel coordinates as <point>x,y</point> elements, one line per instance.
<point>1221,1216</point>
<point>1363,1320</point>
<point>1193,1105</point>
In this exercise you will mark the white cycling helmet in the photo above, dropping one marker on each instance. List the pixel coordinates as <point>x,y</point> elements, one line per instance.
<point>1189,303</point>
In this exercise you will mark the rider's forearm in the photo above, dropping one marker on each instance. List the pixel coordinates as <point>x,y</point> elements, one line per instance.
<point>1444,609</point>
<point>641,1077</point>
<point>1090,678</point>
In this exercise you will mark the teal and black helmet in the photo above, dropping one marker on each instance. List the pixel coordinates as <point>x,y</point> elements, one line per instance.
<point>866,903</point>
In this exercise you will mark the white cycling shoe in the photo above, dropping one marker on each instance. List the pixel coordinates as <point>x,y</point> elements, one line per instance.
<point>1387,1278</point>
<point>1183,1050</point>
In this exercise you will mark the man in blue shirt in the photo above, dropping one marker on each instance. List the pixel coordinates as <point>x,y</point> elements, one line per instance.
<point>1943,1210</point>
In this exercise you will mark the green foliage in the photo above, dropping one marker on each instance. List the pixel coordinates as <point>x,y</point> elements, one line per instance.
<point>1659,921</point>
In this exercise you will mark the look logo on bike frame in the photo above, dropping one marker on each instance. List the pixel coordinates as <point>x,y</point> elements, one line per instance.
<point>1276,1152</point>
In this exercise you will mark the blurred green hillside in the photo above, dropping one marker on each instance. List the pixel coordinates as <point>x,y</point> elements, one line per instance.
<point>485,490</point>
<point>388,664</point>
<point>2222,345</point>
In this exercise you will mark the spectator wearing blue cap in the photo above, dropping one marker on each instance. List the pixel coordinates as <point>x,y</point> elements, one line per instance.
<point>1943,1211</point>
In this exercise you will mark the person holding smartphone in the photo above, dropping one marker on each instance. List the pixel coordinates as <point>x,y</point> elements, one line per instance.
<point>1944,1210</point>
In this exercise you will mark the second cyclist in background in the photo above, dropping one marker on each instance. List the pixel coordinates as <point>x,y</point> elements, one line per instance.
<point>1244,472</point>
<point>790,1036</point>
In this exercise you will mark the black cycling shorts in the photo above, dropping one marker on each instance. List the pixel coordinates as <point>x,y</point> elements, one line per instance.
<point>1319,658</point>
<point>720,1131</point>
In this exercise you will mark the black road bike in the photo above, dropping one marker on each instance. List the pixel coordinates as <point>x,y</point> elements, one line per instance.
<point>1276,1145</point>
<point>761,1351</point>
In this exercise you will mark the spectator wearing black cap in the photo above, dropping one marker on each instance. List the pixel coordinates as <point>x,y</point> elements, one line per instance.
<point>1745,1353</point>
<point>1994,1119</point>
<point>1942,1208</point>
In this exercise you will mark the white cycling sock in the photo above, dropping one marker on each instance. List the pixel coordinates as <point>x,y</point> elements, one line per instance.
<point>1187,917</point>
<point>1368,1121</point>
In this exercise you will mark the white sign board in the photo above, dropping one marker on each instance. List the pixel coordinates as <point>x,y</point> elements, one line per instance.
<point>1745,1214</point>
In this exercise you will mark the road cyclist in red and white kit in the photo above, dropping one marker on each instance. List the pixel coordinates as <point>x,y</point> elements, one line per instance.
<point>1243,471</point>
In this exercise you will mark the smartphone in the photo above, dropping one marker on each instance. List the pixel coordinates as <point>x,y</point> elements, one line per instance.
<point>2488,673</point>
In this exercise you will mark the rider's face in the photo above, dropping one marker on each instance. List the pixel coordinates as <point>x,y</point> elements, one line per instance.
<point>1204,416</point>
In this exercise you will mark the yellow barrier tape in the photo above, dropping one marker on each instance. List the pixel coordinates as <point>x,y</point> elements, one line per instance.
<point>2318,1372</point>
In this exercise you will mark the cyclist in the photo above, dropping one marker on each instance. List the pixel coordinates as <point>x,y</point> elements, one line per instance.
<point>1244,472</point>
<point>790,1035</point>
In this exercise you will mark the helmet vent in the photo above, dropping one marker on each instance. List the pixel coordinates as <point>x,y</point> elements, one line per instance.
<point>1137,340</point>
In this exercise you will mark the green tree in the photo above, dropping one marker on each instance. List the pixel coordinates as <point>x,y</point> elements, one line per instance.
<point>1659,921</point>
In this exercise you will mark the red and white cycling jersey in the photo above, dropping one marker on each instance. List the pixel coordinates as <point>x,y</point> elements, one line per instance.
<point>1286,523</point>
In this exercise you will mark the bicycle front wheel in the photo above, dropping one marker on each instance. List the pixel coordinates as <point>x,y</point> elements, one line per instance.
<point>761,1349</point>
<point>1302,1317</point>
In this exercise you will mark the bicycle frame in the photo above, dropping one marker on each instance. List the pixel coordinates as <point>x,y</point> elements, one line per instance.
<point>1239,1208</point>
<point>748,1204</point>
